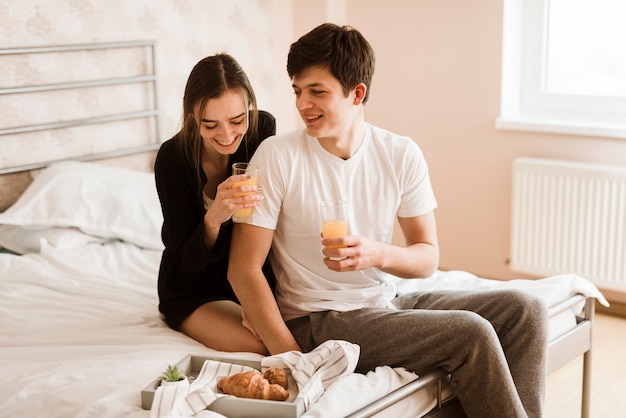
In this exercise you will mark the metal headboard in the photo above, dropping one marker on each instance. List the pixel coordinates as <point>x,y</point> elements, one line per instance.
<point>152,112</point>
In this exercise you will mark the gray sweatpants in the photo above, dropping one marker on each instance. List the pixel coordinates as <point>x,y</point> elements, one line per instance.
<point>493,343</point>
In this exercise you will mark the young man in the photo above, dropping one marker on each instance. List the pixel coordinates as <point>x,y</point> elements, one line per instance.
<point>493,343</point>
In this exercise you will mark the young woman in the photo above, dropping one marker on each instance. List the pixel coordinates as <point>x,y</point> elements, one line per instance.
<point>221,125</point>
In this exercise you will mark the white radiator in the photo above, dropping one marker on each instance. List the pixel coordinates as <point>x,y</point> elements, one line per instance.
<point>569,217</point>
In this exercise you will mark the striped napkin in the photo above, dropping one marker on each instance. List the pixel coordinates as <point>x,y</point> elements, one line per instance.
<point>318,369</point>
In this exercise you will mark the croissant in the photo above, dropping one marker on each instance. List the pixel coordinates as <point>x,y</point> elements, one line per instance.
<point>254,385</point>
<point>277,375</point>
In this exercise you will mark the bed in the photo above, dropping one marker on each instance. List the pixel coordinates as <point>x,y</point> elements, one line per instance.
<point>80,332</point>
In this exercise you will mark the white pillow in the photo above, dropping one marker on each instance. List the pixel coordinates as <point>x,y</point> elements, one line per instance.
<point>21,240</point>
<point>101,200</point>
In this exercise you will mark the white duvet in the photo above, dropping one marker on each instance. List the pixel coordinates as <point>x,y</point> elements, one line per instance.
<point>81,336</point>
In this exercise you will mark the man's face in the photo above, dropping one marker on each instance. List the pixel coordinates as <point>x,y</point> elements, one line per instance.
<point>322,105</point>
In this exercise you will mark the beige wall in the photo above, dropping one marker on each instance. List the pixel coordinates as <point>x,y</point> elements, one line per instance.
<point>437,80</point>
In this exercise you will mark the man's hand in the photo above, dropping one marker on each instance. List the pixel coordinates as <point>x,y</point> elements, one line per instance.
<point>419,257</point>
<point>360,253</point>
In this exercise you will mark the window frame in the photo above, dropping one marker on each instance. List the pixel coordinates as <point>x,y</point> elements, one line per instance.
<point>525,105</point>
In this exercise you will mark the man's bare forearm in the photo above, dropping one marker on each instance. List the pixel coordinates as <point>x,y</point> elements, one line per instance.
<point>250,246</point>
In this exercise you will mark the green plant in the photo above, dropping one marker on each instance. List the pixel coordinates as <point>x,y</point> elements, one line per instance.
<point>173,374</point>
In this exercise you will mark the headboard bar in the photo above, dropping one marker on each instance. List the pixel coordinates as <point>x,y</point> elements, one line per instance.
<point>79,84</point>
<point>90,157</point>
<point>80,122</point>
<point>151,112</point>
<point>76,47</point>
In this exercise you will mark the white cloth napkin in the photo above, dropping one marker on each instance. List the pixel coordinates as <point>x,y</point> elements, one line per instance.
<point>339,399</point>
<point>313,372</point>
<point>318,369</point>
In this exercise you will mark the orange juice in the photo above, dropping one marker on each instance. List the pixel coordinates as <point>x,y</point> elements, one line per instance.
<point>334,222</point>
<point>334,229</point>
<point>246,212</point>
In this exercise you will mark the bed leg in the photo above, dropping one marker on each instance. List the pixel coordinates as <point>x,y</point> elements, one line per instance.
<point>586,389</point>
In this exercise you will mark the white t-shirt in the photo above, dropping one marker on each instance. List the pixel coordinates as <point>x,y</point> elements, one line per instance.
<point>386,177</point>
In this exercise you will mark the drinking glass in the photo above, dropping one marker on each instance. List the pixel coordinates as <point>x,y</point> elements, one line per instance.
<point>334,221</point>
<point>245,215</point>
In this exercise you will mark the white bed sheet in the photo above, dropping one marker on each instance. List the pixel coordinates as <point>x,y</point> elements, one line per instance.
<point>552,289</point>
<point>81,336</point>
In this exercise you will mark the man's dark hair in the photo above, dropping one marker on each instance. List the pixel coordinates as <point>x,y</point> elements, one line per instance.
<point>342,49</point>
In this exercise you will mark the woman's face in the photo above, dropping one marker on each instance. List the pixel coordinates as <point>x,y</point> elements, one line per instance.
<point>223,123</point>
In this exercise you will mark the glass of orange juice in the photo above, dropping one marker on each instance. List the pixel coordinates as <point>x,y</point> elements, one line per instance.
<point>245,215</point>
<point>334,221</point>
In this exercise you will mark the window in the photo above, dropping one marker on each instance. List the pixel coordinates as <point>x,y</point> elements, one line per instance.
<point>564,67</point>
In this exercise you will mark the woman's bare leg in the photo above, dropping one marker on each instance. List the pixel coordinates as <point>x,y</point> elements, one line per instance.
<point>218,325</point>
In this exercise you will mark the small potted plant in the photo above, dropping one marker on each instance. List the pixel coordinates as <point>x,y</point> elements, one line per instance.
<point>173,375</point>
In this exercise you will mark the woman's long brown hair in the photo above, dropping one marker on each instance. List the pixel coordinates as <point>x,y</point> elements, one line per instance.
<point>209,79</point>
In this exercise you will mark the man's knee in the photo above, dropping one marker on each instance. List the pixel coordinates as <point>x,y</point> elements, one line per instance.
<point>527,305</point>
<point>528,315</point>
<point>474,327</point>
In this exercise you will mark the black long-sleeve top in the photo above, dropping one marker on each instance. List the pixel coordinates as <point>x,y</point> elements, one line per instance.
<point>191,275</point>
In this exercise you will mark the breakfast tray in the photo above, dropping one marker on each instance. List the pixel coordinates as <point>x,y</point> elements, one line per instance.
<point>230,406</point>
<point>233,407</point>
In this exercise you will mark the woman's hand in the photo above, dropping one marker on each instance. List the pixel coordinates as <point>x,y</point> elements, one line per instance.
<point>228,199</point>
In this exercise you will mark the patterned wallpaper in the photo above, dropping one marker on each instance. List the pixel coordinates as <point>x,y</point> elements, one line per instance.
<point>256,32</point>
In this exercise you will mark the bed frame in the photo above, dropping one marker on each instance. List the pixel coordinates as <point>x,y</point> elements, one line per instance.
<point>562,350</point>
<point>142,51</point>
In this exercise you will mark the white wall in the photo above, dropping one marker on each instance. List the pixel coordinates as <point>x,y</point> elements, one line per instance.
<point>438,80</point>
<point>256,32</point>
